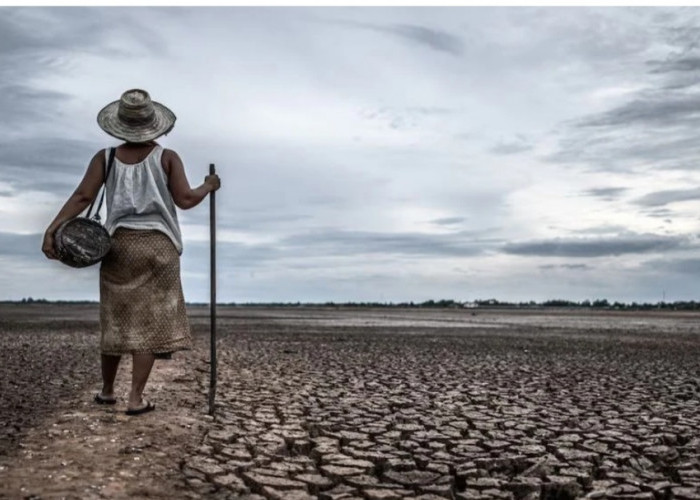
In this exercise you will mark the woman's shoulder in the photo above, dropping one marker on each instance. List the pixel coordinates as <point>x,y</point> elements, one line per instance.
<point>169,153</point>
<point>99,158</point>
<point>168,158</point>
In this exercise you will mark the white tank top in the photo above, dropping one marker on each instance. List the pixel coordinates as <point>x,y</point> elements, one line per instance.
<point>138,197</point>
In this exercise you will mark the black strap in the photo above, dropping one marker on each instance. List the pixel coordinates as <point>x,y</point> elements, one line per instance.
<point>96,215</point>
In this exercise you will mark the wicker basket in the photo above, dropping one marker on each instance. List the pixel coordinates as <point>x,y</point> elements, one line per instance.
<point>81,242</point>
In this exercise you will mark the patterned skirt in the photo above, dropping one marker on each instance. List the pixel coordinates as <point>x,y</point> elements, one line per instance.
<point>142,307</point>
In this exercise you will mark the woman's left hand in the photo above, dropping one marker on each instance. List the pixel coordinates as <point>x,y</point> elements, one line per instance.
<point>47,247</point>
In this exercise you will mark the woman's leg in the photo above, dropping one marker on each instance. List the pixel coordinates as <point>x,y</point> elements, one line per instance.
<point>109,372</point>
<point>139,376</point>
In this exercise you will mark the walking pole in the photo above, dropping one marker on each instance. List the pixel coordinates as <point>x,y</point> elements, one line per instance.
<point>212,304</point>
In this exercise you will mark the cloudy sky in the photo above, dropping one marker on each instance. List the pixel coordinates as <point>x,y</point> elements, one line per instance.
<point>376,154</point>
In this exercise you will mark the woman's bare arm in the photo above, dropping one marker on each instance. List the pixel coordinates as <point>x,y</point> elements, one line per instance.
<point>184,196</point>
<point>84,195</point>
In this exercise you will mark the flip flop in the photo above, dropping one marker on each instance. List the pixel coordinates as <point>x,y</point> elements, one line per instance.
<point>104,401</point>
<point>145,409</point>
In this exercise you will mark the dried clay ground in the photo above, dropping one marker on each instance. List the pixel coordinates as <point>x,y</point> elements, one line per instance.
<point>361,404</point>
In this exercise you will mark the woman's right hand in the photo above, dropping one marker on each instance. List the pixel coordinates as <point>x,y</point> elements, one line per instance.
<point>48,246</point>
<point>213,182</point>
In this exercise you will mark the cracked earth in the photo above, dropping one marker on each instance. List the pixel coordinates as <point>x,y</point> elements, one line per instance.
<point>379,404</point>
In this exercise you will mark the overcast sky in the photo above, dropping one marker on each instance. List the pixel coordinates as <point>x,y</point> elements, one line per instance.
<point>376,154</point>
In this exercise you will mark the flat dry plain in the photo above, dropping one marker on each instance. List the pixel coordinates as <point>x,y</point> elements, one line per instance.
<point>345,403</point>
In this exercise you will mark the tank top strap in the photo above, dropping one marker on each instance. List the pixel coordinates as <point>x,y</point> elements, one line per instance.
<point>104,168</point>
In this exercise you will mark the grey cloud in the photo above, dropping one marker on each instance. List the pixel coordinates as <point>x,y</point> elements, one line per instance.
<point>148,42</point>
<point>607,193</point>
<point>621,150</point>
<point>406,117</point>
<point>25,30</point>
<point>242,255</point>
<point>395,119</point>
<point>597,247</point>
<point>657,125</point>
<point>446,221</point>
<point>688,63</point>
<point>21,104</point>
<point>661,109</point>
<point>246,220</point>
<point>664,17</point>
<point>682,82</point>
<point>659,213</point>
<point>49,154</point>
<point>12,36</point>
<point>680,31</point>
<point>661,198</point>
<point>599,38</point>
<point>62,186</point>
<point>573,267</point>
<point>37,42</point>
<point>604,229</point>
<point>345,243</point>
<point>335,242</point>
<point>45,164</point>
<point>32,33</point>
<point>435,39</point>
<point>20,245</point>
<point>510,147</point>
<point>683,266</point>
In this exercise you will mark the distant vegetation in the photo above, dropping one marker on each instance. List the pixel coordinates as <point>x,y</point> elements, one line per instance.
<point>29,300</point>
<point>437,304</point>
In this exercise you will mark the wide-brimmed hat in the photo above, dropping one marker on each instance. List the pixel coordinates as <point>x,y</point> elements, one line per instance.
<point>135,117</point>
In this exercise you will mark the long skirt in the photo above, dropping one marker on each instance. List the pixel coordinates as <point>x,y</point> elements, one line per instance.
<point>142,307</point>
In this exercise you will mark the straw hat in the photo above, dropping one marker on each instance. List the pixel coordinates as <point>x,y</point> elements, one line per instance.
<point>135,118</point>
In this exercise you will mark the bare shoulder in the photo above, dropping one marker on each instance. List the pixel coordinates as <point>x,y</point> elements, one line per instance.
<point>169,159</point>
<point>99,159</point>
<point>170,154</point>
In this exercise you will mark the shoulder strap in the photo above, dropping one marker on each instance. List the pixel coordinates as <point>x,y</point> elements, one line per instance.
<point>110,162</point>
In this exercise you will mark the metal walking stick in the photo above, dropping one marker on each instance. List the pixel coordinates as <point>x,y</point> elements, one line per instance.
<point>212,305</point>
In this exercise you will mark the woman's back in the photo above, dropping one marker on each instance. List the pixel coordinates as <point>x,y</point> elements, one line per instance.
<point>138,196</point>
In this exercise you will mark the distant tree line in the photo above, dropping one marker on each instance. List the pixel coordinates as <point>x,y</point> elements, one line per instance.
<point>30,300</point>
<point>690,305</point>
<point>485,303</point>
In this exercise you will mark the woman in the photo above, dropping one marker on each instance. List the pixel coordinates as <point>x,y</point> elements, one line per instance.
<point>142,308</point>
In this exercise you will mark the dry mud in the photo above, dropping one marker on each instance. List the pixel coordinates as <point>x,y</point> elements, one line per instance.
<point>361,403</point>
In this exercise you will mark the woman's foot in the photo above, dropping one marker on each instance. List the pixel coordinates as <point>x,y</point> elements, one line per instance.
<point>104,399</point>
<point>145,407</point>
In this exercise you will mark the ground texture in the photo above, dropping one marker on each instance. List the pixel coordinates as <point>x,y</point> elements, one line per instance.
<point>360,403</point>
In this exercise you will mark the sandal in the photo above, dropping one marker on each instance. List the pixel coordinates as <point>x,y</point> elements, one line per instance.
<point>144,409</point>
<point>104,401</point>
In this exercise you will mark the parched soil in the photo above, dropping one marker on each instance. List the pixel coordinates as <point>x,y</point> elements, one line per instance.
<point>362,403</point>
<point>55,442</point>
